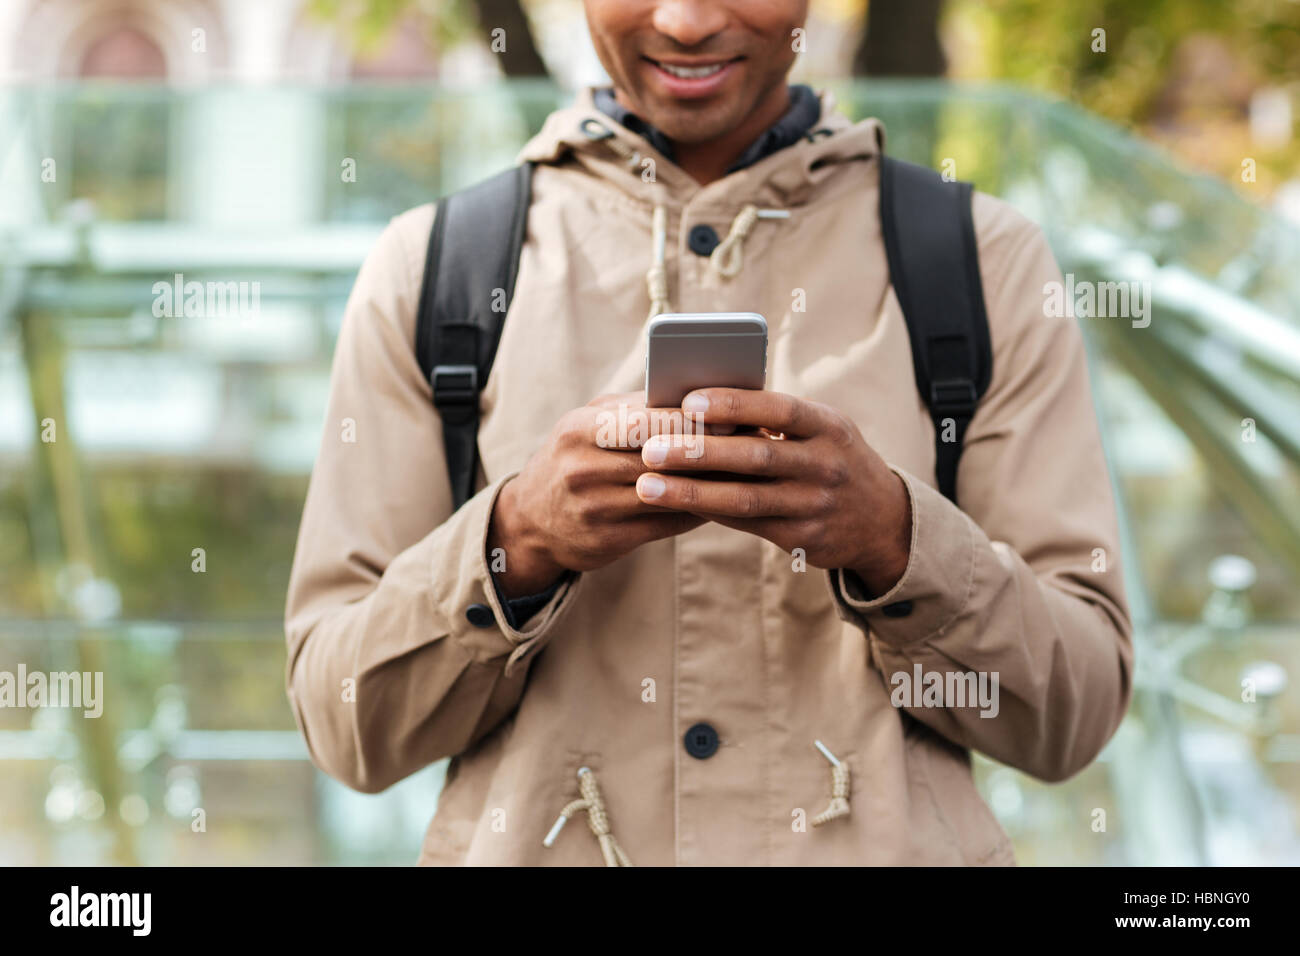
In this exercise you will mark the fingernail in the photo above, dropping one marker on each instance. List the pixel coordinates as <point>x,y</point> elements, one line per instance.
<point>655,450</point>
<point>695,402</point>
<point>650,486</point>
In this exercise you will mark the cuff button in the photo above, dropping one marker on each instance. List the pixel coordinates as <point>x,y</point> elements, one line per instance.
<point>897,609</point>
<point>480,615</point>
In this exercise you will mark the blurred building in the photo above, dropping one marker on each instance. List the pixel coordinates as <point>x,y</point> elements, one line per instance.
<point>199,41</point>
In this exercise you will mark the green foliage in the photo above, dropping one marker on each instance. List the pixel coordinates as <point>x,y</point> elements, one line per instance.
<point>152,518</point>
<point>369,22</point>
<point>1210,52</point>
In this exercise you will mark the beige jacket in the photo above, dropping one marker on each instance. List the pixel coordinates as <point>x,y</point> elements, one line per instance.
<point>386,673</point>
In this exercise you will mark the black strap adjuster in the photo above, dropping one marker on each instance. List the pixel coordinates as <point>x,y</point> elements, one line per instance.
<point>953,397</point>
<point>454,385</point>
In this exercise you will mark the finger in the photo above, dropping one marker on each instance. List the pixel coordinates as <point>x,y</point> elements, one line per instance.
<point>662,524</point>
<point>600,467</point>
<point>735,499</point>
<point>776,530</point>
<point>610,506</point>
<point>627,426</point>
<point>739,454</point>
<point>614,399</point>
<point>775,411</point>
<point>623,466</point>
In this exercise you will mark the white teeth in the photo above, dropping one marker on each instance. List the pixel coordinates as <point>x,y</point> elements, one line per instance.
<point>692,72</point>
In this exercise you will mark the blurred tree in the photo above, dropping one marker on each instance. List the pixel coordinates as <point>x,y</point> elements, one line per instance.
<point>502,24</point>
<point>1183,72</point>
<point>518,51</point>
<point>900,38</point>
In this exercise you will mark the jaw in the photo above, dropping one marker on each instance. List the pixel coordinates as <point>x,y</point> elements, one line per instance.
<point>693,109</point>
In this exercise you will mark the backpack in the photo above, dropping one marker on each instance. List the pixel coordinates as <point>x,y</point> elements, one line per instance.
<point>473,260</point>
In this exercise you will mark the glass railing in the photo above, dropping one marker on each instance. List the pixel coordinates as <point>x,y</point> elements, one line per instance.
<point>152,468</point>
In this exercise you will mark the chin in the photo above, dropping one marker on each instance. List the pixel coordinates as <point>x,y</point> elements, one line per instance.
<point>686,125</point>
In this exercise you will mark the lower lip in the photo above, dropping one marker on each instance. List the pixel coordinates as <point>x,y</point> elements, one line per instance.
<point>694,88</point>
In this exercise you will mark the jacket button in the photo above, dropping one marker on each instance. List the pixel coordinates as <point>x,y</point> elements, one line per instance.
<point>701,741</point>
<point>480,615</point>
<point>703,240</point>
<point>897,609</point>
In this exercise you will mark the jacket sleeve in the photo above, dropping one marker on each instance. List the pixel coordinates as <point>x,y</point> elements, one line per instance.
<point>1021,584</point>
<point>386,672</point>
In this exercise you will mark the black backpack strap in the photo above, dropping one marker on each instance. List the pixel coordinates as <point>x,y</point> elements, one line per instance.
<point>469,280</point>
<point>934,267</point>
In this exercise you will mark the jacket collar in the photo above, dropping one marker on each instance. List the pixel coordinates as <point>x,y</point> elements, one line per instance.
<point>584,136</point>
<point>804,110</point>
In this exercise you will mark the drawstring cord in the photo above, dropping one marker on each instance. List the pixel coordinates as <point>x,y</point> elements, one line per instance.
<point>598,132</point>
<point>598,816</point>
<point>597,819</point>
<point>839,806</point>
<point>656,278</point>
<point>727,258</point>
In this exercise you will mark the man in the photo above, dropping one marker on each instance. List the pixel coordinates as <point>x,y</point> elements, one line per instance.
<point>684,640</point>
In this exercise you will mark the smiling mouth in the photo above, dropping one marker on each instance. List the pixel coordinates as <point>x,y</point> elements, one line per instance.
<point>693,72</point>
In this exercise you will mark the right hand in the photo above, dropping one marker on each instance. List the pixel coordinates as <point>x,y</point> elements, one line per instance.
<point>574,505</point>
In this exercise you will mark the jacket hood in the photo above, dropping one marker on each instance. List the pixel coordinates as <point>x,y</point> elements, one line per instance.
<point>790,176</point>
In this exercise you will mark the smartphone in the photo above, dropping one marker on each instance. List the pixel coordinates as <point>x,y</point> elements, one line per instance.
<point>703,350</point>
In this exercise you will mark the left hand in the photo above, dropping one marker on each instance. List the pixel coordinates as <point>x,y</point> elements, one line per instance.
<point>807,479</point>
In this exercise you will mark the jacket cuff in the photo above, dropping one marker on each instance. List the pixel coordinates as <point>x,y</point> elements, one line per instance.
<point>473,608</point>
<point>936,584</point>
<point>521,609</point>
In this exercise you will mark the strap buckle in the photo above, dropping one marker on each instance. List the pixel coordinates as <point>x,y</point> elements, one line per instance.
<point>454,385</point>
<point>954,396</point>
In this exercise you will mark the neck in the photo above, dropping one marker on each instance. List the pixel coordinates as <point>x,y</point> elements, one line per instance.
<point>708,161</point>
